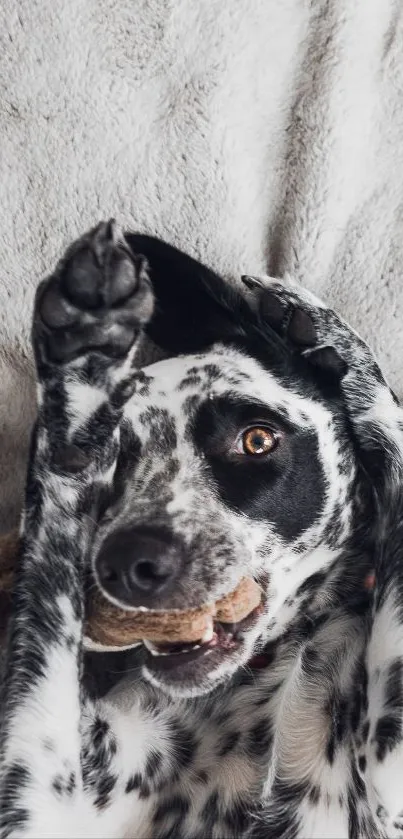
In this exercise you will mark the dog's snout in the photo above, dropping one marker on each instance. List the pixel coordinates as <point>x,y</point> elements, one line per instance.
<point>139,567</point>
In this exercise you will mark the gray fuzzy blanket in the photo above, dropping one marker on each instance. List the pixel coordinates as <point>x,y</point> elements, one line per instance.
<point>260,136</point>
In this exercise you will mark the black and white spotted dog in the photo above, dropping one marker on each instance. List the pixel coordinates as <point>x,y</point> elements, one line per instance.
<point>264,443</point>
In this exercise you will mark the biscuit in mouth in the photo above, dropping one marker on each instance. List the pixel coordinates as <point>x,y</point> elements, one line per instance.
<point>163,633</point>
<point>174,632</point>
<point>219,636</point>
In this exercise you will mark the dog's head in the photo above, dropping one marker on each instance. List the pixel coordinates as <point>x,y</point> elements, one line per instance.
<point>234,462</point>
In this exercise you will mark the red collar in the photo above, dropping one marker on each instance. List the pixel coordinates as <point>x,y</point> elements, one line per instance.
<point>262,659</point>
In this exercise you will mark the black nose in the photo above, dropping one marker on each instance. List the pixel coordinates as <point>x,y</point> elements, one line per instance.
<point>139,566</point>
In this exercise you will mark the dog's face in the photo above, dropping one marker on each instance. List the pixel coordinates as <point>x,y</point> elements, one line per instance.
<point>227,469</point>
<point>235,461</point>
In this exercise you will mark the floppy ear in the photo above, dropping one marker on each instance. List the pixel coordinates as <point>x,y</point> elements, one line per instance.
<point>195,307</point>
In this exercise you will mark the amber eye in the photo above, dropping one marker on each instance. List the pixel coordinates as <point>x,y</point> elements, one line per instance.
<point>258,441</point>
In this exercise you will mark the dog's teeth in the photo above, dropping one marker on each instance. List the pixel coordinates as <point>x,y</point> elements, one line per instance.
<point>151,648</point>
<point>158,652</point>
<point>208,634</point>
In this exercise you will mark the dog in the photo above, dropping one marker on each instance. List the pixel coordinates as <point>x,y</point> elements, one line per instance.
<point>264,442</point>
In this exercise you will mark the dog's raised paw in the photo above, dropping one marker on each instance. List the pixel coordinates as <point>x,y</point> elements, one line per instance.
<point>97,299</point>
<point>306,325</point>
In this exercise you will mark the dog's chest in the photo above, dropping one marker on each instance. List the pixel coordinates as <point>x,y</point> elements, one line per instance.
<point>282,735</point>
<point>224,770</point>
<point>237,750</point>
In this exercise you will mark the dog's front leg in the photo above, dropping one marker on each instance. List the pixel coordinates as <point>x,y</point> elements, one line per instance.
<point>88,319</point>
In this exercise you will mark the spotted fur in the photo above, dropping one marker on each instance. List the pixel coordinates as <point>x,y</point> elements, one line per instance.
<point>103,744</point>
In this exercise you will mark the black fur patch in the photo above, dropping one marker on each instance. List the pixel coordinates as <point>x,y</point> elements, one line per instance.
<point>262,488</point>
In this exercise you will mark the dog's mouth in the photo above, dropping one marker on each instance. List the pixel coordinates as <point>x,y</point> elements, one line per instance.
<point>184,652</point>
<point>220,641</point>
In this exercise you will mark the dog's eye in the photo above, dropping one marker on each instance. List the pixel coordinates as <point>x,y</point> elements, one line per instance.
<point>257,441</point>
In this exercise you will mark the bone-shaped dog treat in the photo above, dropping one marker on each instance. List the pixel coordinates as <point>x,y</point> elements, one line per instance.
<point>110,626</point>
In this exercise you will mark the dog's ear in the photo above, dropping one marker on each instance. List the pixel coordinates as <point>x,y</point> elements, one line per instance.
<point>194,307</point>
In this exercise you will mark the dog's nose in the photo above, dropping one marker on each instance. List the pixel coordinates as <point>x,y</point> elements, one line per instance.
<point>138,567</point>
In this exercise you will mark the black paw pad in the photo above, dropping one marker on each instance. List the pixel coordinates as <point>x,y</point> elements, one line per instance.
<point>55,311</point>
<point>328,360</point>
<point>273,311</point>
<point>101,271</point>
<point>121,275</point>
<point>82,280</point>
<point>98,299</point>
<point>301,329</point>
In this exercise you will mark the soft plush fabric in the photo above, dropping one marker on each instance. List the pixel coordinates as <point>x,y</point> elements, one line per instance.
<point>259,136</point>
